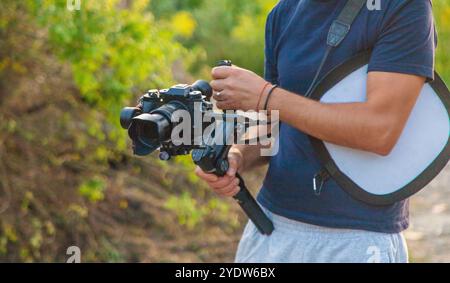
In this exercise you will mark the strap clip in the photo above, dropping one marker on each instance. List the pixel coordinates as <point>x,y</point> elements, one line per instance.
<point>319,180</point>
<point>338,31</point>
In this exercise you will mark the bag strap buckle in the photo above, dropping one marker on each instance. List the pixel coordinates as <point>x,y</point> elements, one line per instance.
<point>338,31</point>
<point>319,181</point>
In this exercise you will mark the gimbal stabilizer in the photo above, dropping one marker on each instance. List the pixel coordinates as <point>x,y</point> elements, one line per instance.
<point>150,126</point>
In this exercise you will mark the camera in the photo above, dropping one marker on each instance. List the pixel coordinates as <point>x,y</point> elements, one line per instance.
<point>150,126</point>
<point>150,123</point>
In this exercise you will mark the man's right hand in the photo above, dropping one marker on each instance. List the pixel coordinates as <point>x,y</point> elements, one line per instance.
<point>228,185</point>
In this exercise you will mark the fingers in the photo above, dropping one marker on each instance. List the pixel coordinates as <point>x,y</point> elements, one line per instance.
<point>205,176</point>
<point>233,167</point>
<point>226,100</point>
<point>218,85</point>
<point>213,180</point>
<point>230,190</point>
<point>226,186</point>
<point>220,96</point>
<point>224,105</point>
<point>222,182</point>
<point>222,72</point>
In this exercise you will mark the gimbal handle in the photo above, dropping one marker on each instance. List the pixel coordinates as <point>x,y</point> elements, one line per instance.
<point>252,209</point>
<point>214,160</point>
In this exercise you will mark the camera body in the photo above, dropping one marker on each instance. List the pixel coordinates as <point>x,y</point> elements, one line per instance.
<point>150,124</point>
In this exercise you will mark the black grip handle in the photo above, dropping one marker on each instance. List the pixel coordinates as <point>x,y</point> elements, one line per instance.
<point>252,209</point>
<point>224,63</point>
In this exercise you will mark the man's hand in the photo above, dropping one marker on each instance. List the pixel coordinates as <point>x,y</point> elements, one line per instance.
<point>239,89</point>
<point>228,185</point>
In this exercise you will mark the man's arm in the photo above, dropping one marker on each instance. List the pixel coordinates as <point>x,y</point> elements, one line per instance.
<point>374,125</point>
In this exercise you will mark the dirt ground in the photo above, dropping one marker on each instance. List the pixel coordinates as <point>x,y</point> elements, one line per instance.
<point>429,234</point>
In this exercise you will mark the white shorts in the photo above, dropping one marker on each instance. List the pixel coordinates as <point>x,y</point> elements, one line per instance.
<point>294,241</point>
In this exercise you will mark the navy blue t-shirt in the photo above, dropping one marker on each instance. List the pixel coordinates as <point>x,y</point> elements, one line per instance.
<point>402,38</point>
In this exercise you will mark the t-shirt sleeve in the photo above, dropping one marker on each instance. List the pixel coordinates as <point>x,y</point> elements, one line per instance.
<point>407,41</point>
<point>270,65</point>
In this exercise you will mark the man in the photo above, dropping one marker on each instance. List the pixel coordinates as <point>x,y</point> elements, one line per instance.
<point>332,226</point>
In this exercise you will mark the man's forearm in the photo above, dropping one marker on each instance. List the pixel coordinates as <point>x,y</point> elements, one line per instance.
<point>374,125</point>
<point>355,125</point>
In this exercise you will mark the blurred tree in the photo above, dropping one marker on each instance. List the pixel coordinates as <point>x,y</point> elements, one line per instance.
<point>114,48</point>
<point>165,9</point>
<point>231,29</point>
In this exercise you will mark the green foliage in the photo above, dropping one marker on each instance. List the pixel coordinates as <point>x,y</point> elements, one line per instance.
<point>231,29</point>
<point>8,234</point>
<point>93,189</point>
<point>109,252</point>
<point>165,9</point>
<point>190,213</point>
<point>235,30</point>
<point>187,210</point>
<point>114,49</point>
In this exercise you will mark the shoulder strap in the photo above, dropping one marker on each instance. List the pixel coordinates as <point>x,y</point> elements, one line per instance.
<point>338,31</point>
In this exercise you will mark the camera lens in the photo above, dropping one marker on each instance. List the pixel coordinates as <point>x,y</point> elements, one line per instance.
<point>142,132</point>
<point>149,130</point>
<point>126,116</point>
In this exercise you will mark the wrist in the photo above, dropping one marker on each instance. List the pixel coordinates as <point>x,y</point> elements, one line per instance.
<point>270,92</point>
<point>275,102</point>
<point>261,95</point>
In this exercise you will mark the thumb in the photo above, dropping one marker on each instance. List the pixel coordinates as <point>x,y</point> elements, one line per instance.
<point>234,165</point>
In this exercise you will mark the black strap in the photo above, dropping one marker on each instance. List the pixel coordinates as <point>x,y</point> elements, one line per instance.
<point>269,95</point>
<point>338,31</point>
